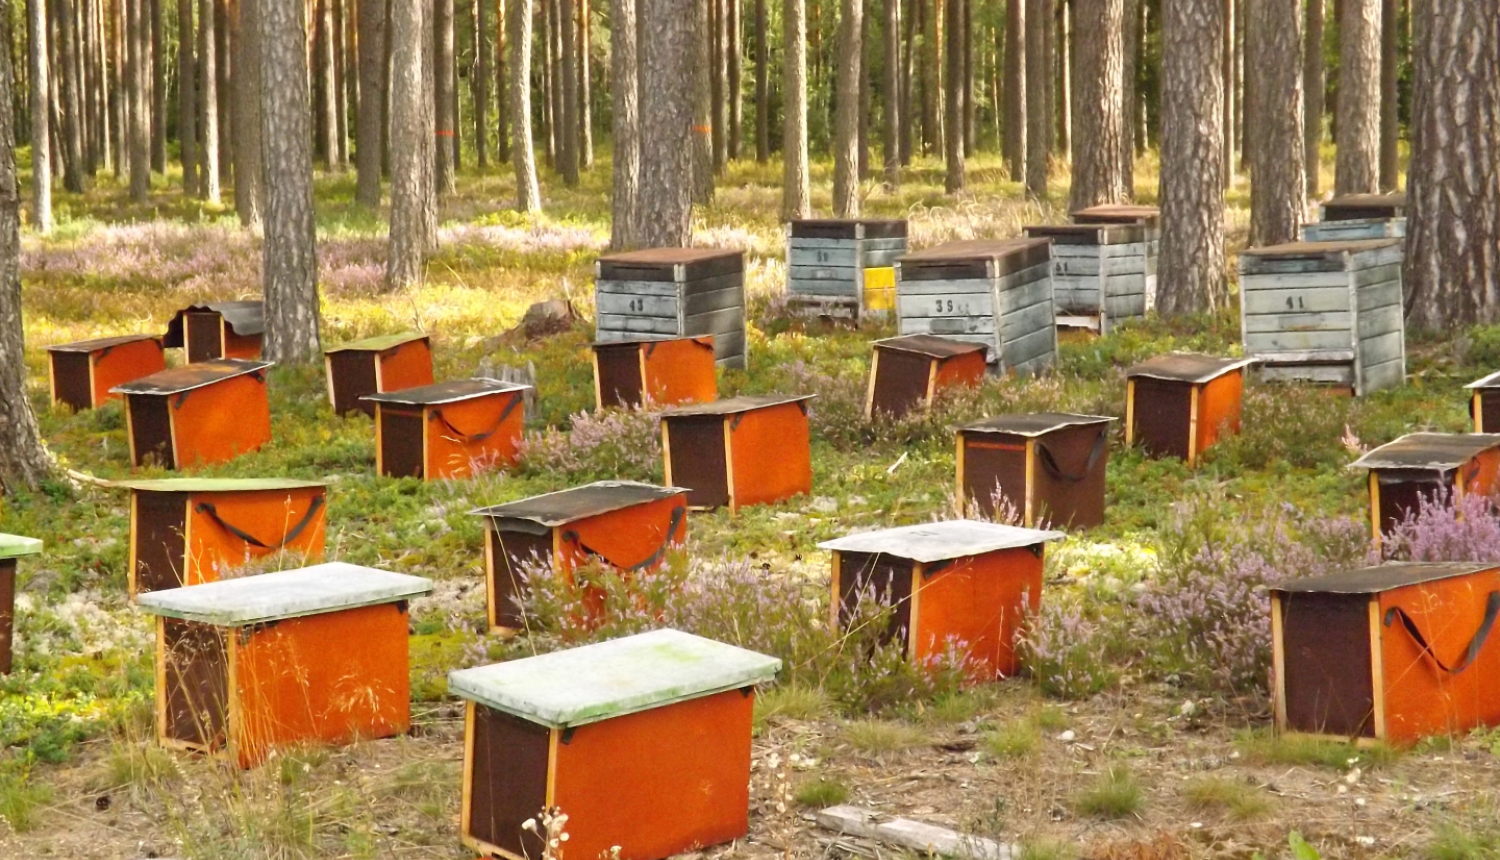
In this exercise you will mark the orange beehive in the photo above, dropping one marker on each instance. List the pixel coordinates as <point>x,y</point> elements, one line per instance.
<point>1484,403</point>
<point>743,451</point>
<point>1049,466</point>
<point>218,330</point>
<point>1392,653</point>
<point>623,524</point>
<point>248,666</point>
<point>84,374</point>
<point>1179,405</point>
<point>956,582</point>
<point>12,547</point>
<point>907,372</point>
<point>1428,464</point>
<point>449,429</point>
<point>376,365</point>
<point>203,413</point>
<point>664,371</point>
<point>187,531</point>
<point>644,742</point>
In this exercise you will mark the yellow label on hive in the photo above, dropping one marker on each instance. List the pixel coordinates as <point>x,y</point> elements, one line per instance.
<point>880,289</point>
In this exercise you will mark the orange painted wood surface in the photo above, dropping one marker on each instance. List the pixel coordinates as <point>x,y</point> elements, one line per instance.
<point>267,515</point>
<point>770,455</point>
<point>1219,403</point>
<point>125,363</point>
<point>960,370</point>
<point>982,601</point>
<point>407,366</point>
<point>459,455</point>
<point>240,345</point>
<point>219,422</point>
<point>679,371</point>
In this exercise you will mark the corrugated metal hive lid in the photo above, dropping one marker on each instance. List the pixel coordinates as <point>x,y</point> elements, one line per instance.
<point>1320,249</point>
<point>1371,580</point>
<point>244,318</point>
<point>312,590</point>
<point>931,345</point>
<point>590,500</point>
<point>217,485</point>
<point>378,344</point>
<point>445,392</point>
<point>1187,367</point>
<point>179,379</point>
<point>1428,451</point>
<point>15,546</point>
<point>610,679</point>
<point>103,343</point>
<point>941,541</point>
<point>1031,424</point>
<point>743,403</point>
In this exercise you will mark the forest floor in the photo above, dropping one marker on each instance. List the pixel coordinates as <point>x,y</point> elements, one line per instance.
<point>1152,766</point>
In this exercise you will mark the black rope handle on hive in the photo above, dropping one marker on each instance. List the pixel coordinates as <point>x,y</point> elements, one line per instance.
<point>437,415</point>
<point>1491,610</point>
<point>1049,460</point>
<point>672,528</point>
<point>291,535</point>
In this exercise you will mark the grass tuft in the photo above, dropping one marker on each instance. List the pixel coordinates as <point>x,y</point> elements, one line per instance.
<point>1116,794</point>
<point>21,799</point>
<point>791,702</point>
<point>882,737</point>
<point>1014,740</point>
<point>1457,843</point>
<point>1045,849</point>
<point>822,793</point>
<point>1239,800</point>
<point>1267,747</point>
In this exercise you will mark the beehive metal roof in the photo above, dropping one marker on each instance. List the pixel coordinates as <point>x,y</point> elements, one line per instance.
<point>1089,234</point>
<point>179,379</point>
<point>974,249</point>
<point>1491,381</point>
<point>848,228</point>
<point>312,590</point>
<point>611,679</point>
<point>445,392</point>
<point>590,500</point>
<point>1319,249</point>
<point>941,541</point>
<point>1114,213</point>
<point>217,485</point>
<point>1370,580</point>
<point>931,345</point>
<point>14,546</point>
<point>670,264</point>
<point>743,403</point>
<point>1187,367</point>
<point>1428,451</point>
<point>244,318</point>
<point>378,344</point>
<point>104,343</point>
<point>1032,424</point>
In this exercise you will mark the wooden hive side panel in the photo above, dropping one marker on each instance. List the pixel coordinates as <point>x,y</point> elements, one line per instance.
<point>7,613</point>
<point>1328,679</point>
<point>1026,320</point>
<point>194,701</point>
<point>506,767</point>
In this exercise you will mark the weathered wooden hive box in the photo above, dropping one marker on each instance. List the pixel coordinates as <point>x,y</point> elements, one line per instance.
<point>955,580</point>
<point>187,531</point>
<point>448,430</point>
<point>1359,216</point>
<point>1393,653</point>
<point>84,374</point>
<point>751,450</point>
<point>1048,467</point>
<point>676,292</point>
<point>1179,405</point>
<point>626,525</point>
<point>12,547</point>
<point>218,330</point>
<point>1098,273</point>
<point>658,370</point>
<point>1430,465</point>
<point>248,666</point>
<point>1326,312</point>
<point>207,412</point>
<point>644,742</point>
<point>1484,403</point>
<point>1148,217</point>
<point>997,292</point>
<point>907,372</point>
<point>374,366</point>
<point>843,267</point>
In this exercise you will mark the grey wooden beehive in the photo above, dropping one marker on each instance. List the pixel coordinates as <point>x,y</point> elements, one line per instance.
<point>997,292</point>
<point>1359,216</point>
<point>1098,272</point>
<point>678,292</point>
<point>1326,312</point>
<point>1149,217</point>
<point>827,262</point>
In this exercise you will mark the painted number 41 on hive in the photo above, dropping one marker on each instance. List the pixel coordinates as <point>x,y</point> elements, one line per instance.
<point>1294,303</point>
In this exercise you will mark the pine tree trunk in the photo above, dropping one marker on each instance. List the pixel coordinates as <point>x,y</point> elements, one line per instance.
<point>666,71</point>
<point>1062,92</point>
<point>344,95</point>
<point>846,117</point>
<point>1314,79</point>
<point>72,99</point>
<point>909,115</point>
<point>187,98</point>
<point>1273,120</point>
<point>796,193</point>
<point>411,127</point>
<point>953,107</point>
<point>891,95</point>
<point>502,95</point>
<point>965,37</point>
<point>718,110</point>
<point>140,117</point>
<point>370,131</point>
<point>1038,97</point>
<point>479,85</point>
<point>1227,75</point>
<point>328,85</point>
<point>88,47</point>
<point>118,89</point>
<point>625,95</point>
<point>1357,170</point>
<point>1017,86</point>
<point>703,152</point>
<point>208,73</point>
<point>932,134</point>
<point>455,141</point>
<point>1452,271</point>
<point>1129,98</point>
<point>157,52</point>
<point>1098,104</point>
<point>585,87</point>
<point>550,97</point>
<point>1390,113</point>
<point>41,117</point>
<point>223,56</point>
<point>1190,273</point>
<point>523,149</point>
<point>567,137</point>
<point>245,78</point>
<point>289,259</point>
<point>442,69</point>
<point>763,84</point>
<point>735,84</point>
<point>866,108</point>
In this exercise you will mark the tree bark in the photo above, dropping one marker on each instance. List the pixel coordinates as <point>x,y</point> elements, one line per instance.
<point>411,125</point>
<point>502,80</point>
<point>796,193</point>
<point>245,77</point>
<point>523,149</point>
<point>1452,271</point>
<point>567,137</point>
<point>891,95</point>
<point>1314,79</point>
<point>1098,104</point>
<point>119,88</point>
<point>480,86</point>
<point>41,117</point>
<point>932,130</point>
<point>225,87</point>
<point>207,86</point>
<point>1273,120</point>
<point>909,115</point>
<point>735,84</point>
<point>370,130</point>
<point>625,95</point>
<point>72,99</point>
<point>846,117</point>
<point>953,101</point>
<point>328,85</point>
<point>1061,43</point>
<point>1017,84</point>
<point>1357,170</point>
<point>1227,59</point>
<point>763,84</point>
<point>667,71</point>
<point>702,147</point>
<point>442,70</point>
<point>1190,270</point>
<point>964,19</point>
<point>718,109</point>
<point>156,52</point>
<point>187,98</point>
<point>585,107</point>
<point>344,94</point>
<point>1129,98</point>
<point>1390,107</point>
<point>140,103</point>
<point>1038,98</point>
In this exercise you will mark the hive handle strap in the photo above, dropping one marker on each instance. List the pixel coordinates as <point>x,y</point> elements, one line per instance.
<point>1049,460</point>
<point>291,535</point>
<point>437,415</point>
<point>1491,609</point>
<point>672,529</point>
